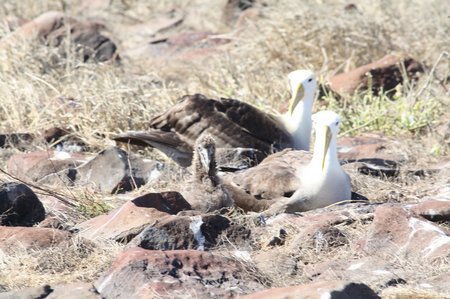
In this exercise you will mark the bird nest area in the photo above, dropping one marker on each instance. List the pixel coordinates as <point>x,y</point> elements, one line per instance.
<point>41,87</point>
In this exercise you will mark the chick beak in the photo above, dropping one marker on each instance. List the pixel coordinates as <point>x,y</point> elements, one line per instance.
<point>297,96</point>
<point>328,136</point>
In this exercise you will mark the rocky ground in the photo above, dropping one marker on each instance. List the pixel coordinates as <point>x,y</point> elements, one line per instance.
<point>82,217</point>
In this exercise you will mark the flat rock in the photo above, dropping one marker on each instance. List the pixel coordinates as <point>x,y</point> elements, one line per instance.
<point>140,273</point>
<point>180,47</point>
<point>319,289</point>
<point>12,238</point>
<point>34,166</point>
<point>111,171</point>
<point>366,146</point>
<point>374,271</point>
<point>395,230</point>
<point>433,210</point>
<point>385,74</point>
<point>124,223</point>
<point>19,205</point>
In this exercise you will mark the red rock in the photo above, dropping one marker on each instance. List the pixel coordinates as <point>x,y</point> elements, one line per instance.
<point>180,47</point>
<point>140,273</point>
<point>385,74</point>
<point>366,146</point>
<point>36,165</point>
<point>319,289</point>
<point>124,223</point>
<point>395,230</point>
<point>433,210</point>
<point>30,237</point>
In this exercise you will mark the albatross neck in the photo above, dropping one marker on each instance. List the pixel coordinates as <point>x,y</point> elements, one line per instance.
<point>299,124</point>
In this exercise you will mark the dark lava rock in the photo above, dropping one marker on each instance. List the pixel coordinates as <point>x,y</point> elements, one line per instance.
<point>19,205</point>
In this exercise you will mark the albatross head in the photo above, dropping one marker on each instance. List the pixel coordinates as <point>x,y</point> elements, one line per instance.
<point>206,149</point>
<point>298,119</point>
<point>326,124</point>
<point>303,86</point>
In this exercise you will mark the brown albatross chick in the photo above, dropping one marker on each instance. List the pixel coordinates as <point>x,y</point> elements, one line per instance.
<point>205,191</point>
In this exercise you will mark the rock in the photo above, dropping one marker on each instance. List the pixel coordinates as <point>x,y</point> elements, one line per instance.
<point>433,210</point>
<point>179,47</point>
<point>140,273</point>
<point>88,41</point>
<point>385,74</point>
<point>111,171</point>
<point>19,206</point>
<point>316,229</point>
<point>395,230</point>
<point>18,140</point>
<point>34,166</point>
<point>184,232</point>
<point>124,223</point>
<point>52,27</point>
<point>12,238</point>
<point>373,271</point>
<point>70,291</point>
<point>366,146</point>
<point>234,9</point>
<point>319,289</point>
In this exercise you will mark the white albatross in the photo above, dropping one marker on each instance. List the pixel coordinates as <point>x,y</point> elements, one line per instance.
<point>293,181</point>
<point>232,123</point>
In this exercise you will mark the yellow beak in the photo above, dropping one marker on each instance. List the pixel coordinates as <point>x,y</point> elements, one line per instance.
<point>297,96</point>
<point>328,136</point>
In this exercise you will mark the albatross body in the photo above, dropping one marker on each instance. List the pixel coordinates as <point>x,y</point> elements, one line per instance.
<point>204,191</point>
<point>232,123</point>
<point>295,181</point>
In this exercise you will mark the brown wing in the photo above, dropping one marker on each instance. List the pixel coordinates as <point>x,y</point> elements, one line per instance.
<point>167,142</point>
<point>274,177</point>
<point>232,123</point>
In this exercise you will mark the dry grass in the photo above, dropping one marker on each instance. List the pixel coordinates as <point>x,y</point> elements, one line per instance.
<point>35,83</point>
<point>75,260</point>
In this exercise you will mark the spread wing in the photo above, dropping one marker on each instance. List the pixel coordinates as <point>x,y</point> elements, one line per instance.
<point>167,142</point>
<point>232,123</point>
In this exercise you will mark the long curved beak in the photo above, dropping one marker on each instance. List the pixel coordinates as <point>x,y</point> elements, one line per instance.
<point>328,136</point>
<point>297,96</point>
<point>205,158</point>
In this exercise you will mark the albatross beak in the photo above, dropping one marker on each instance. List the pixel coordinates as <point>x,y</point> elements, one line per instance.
<point>297,96</point>
<point>327,144</point>
<point>205,158</point>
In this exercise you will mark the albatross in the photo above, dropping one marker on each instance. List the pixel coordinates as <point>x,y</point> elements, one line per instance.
<point>295,181</point>
<point>204,191</point>
<point>232,123</point>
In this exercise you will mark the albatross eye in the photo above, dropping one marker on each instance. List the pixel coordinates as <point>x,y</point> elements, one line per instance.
<point>337,123</point>
<point>310,79</point>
